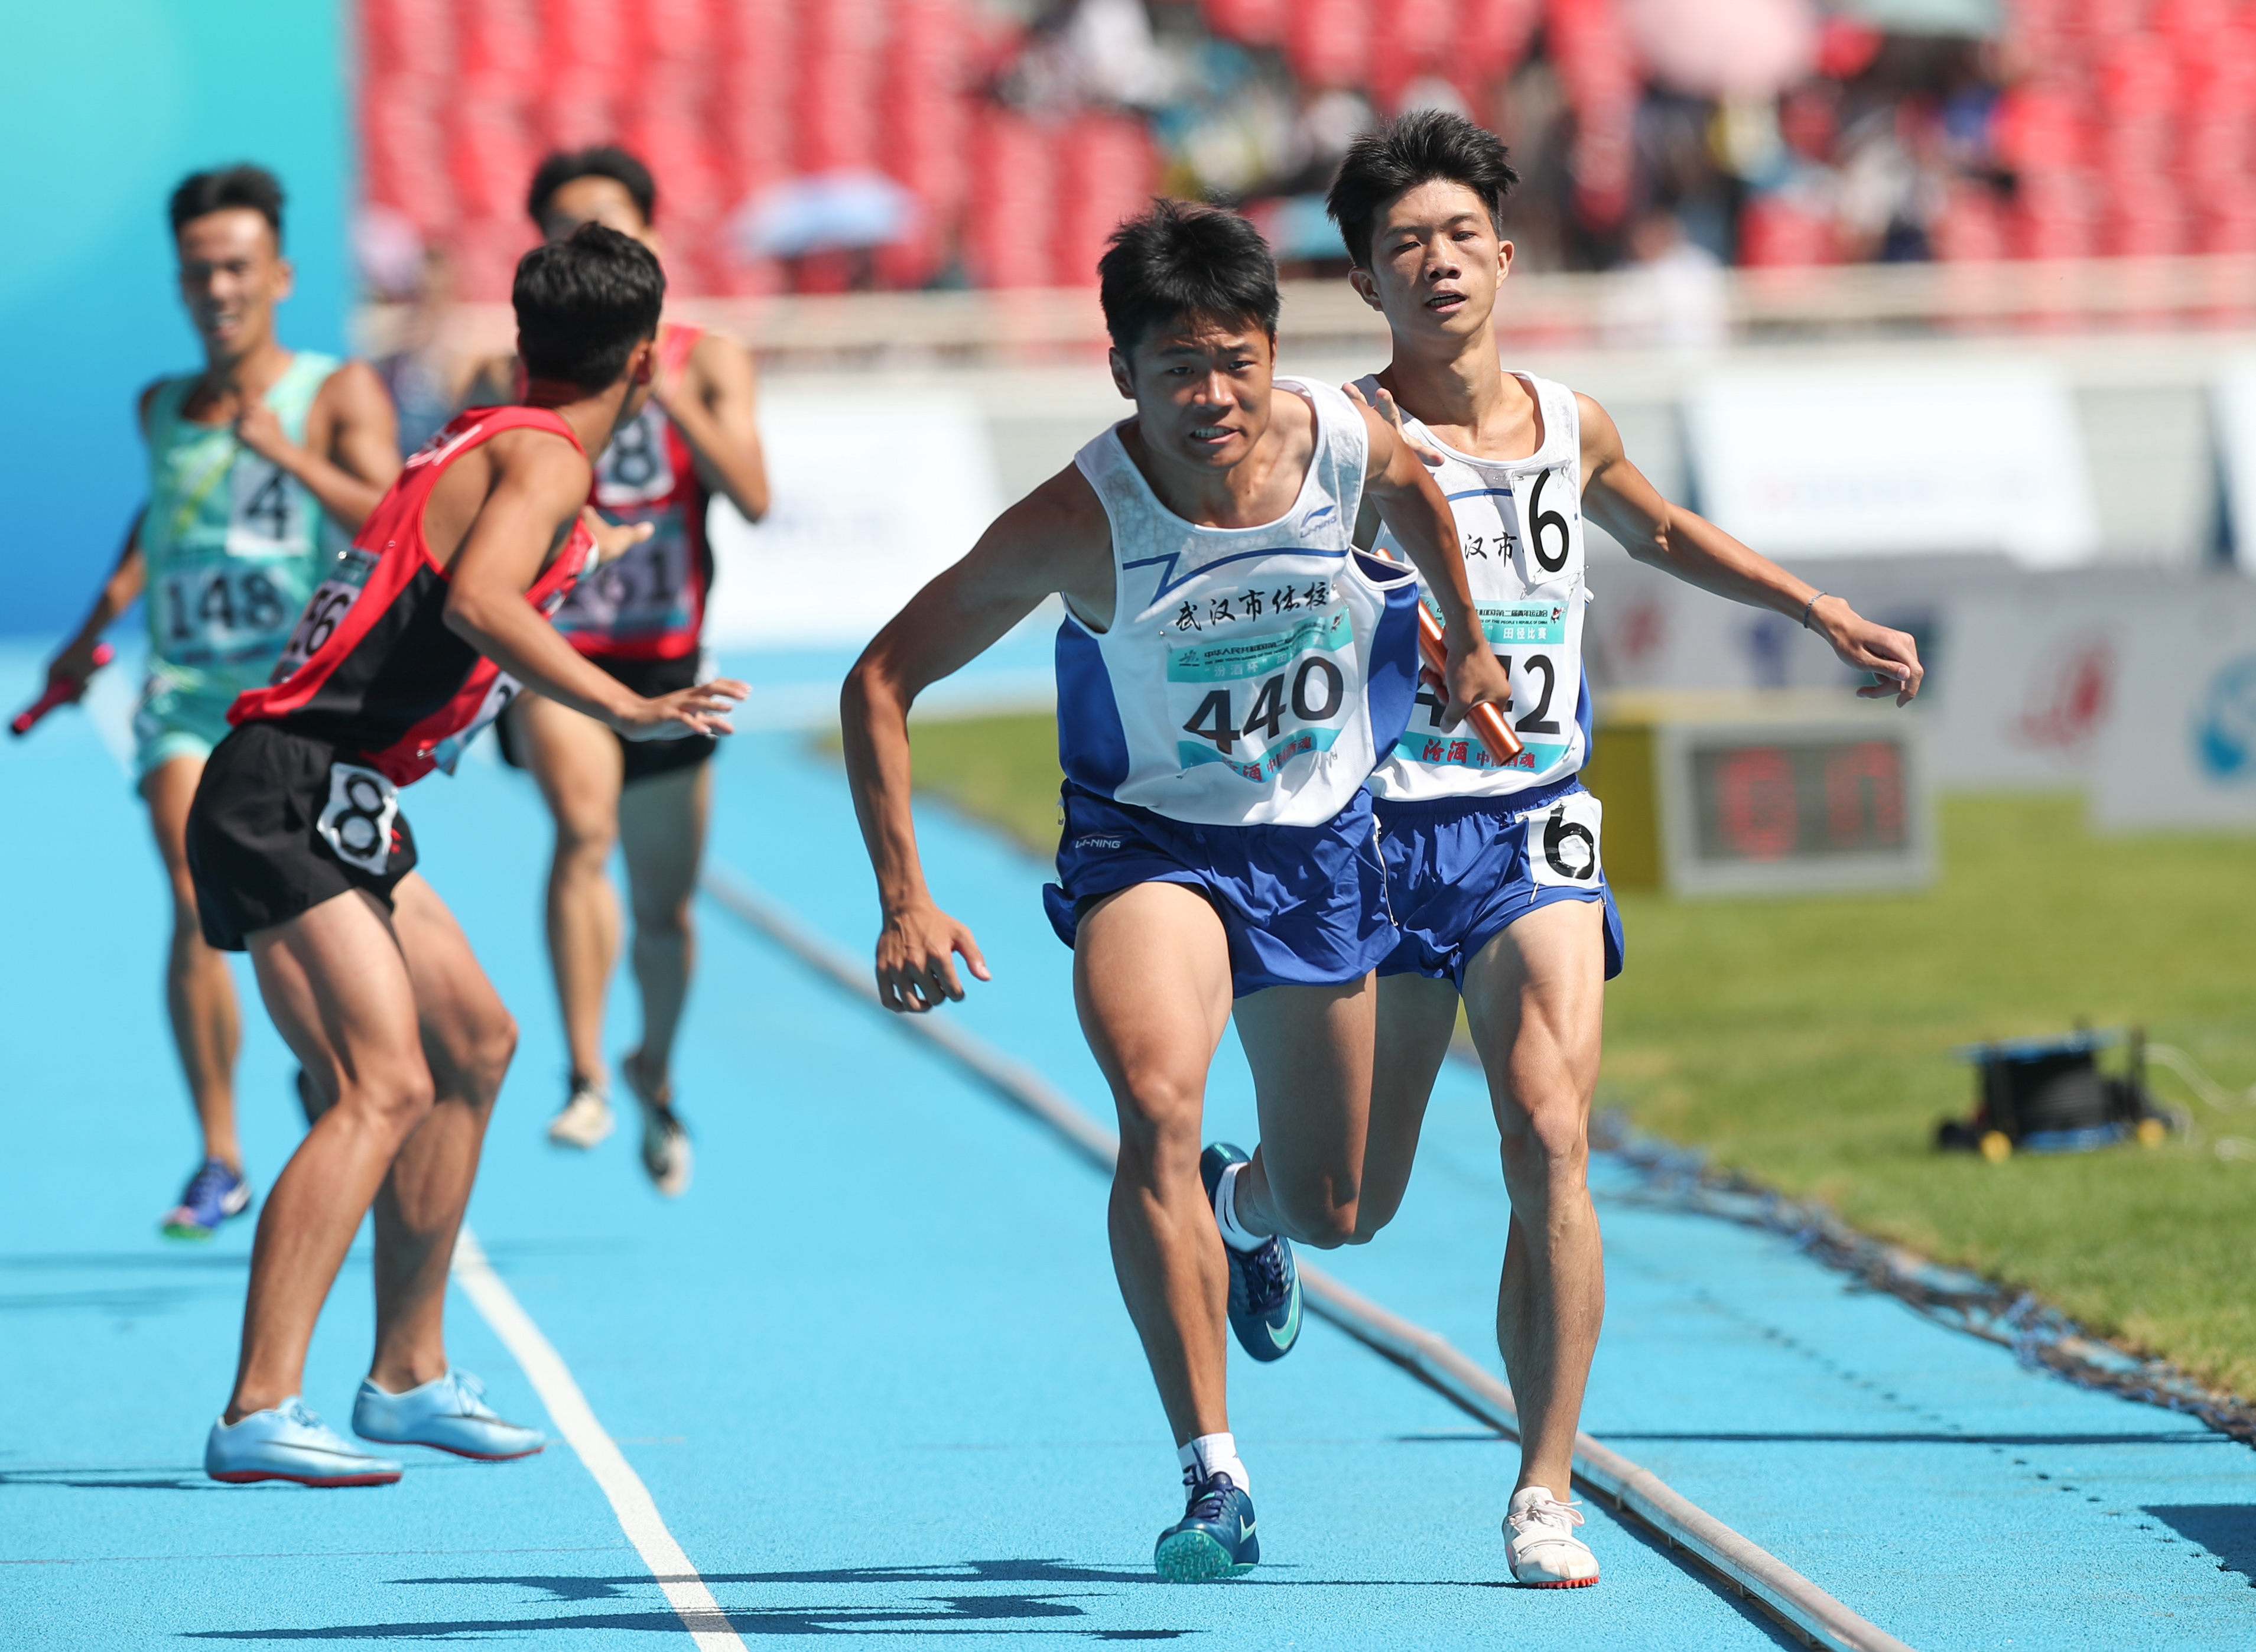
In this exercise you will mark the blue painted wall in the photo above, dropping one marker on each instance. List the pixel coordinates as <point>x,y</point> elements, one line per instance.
<point>104,106</point>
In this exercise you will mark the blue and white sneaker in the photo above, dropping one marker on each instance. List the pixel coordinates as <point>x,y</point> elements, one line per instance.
<point>212,1194</point>
<point>290,1442</point>
<point>449,1412</point>
<point>1264,1286</point>
<point>1214,1538</point>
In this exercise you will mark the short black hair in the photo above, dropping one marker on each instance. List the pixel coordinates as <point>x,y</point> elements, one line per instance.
<point>1179,259</point>
<point>584,303</point>
<point>605,160</point>
<point>1410,150</point>
<point>202,193</point>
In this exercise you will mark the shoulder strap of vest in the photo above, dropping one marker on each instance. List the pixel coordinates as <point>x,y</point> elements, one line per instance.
<point>164,406</point>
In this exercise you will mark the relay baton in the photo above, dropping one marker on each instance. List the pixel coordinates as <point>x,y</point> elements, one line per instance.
<point>1487,721</point>
<point>1434,644</point>
<point>60,692</point>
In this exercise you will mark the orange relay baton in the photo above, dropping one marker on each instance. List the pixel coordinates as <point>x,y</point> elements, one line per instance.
<point>1487,720</point>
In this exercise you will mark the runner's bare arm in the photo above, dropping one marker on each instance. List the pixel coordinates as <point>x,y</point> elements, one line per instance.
<point>74,662</point>
<point>713,403</point>
<point>1055,539</point>
<point>537,485</point>
<point>1410,503</point>
<point>1618,498</point>
<point>352,443</point>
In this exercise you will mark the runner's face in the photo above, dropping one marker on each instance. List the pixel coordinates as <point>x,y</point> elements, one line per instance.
<point>1437,261</point>
<point>1200,389</point>
<point>603,200</point>
<point>232,275</point>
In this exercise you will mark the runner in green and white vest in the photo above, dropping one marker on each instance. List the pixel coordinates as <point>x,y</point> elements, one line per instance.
<point>260,467</point>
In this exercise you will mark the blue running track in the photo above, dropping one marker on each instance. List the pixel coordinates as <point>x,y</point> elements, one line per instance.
<point>873,1370</point>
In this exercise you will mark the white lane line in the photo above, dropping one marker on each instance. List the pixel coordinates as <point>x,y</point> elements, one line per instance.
<point>569,1408</point>
<point>1821,1618</point>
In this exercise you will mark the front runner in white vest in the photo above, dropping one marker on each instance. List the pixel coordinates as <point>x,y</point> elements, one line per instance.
<point>1230,669</point>
<point>1495,868</point>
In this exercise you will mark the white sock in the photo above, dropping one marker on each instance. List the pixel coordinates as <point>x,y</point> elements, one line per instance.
<point>1225,1212</point>
<point>1214,1454</point>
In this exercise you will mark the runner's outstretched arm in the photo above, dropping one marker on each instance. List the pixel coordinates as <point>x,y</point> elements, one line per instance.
<point>74,662</point>
<point>1618,498</point>
<point>539,488</point>
<point>713,402</point>
<point>1055,539</point>
<point>1411,504</point>
<point>364,453</point>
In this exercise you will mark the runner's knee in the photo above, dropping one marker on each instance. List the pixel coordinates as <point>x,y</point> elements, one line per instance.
<point>1159,1117</point>
<point>1545,1140</point>
<point>488,1049</point>
<point>1322,1214</point>
<point>585,835</point>
<point>394,1097</point>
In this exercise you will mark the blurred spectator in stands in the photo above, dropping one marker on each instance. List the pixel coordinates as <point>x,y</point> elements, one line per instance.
<point>425,367</point>
<point>1672,294</point>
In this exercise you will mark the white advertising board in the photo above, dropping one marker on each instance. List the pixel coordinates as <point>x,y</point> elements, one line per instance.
<point>1864,458</point>
<point>2180,749</point>
<point>2235,393</point>
<point>2029,677</point>
<point>872,496</point>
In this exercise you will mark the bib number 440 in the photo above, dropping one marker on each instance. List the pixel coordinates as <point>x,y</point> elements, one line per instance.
<point>1318,690</point>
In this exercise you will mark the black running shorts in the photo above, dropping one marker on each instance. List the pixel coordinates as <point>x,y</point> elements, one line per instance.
<point>641,759</point>
<point>282,824</point>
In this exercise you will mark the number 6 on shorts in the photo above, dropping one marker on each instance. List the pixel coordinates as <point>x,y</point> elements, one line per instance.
<point>357,823</point>
<point>1563,840</point>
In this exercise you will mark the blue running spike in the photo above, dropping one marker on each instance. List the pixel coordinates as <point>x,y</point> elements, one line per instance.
<point>1264,1286</point>
<point>1214,1538</point>
<point>214,1194</point>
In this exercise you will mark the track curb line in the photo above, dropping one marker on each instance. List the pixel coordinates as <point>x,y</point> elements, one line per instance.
<point>1753,1571</point>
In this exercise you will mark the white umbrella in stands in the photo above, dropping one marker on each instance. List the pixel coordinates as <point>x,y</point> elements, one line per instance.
<point>1724,48</point>
<point>822,212</point>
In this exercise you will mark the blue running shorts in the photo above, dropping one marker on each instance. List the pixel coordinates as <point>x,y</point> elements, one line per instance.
<point>1303,906</point>
<point>1460,872</point>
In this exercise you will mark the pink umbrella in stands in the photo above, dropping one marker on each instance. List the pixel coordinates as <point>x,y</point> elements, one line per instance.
<point>1724,48</point>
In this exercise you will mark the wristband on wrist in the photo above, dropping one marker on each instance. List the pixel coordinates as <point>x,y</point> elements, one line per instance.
<point>1809,605</point>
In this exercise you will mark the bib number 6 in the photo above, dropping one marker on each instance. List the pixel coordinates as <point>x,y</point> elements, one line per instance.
<point>357,823</point>
<point>1562,842</point>
<point>1539,521</point>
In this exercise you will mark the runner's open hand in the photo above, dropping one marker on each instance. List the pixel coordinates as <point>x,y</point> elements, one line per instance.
<point>1390,411</point>
<point>916,961</point>
<point>703,709</point>
<point>1891,656</point>
<point>614,539</point>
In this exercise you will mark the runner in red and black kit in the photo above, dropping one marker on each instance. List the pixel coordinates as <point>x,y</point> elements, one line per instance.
<point>641,618</point>
<point>417,637</point>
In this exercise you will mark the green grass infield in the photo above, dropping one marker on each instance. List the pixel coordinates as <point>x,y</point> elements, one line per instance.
<point>1807,1043</point>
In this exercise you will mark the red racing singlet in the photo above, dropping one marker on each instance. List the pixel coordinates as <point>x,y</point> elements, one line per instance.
<point>649,604</point>
<point>372,669</point>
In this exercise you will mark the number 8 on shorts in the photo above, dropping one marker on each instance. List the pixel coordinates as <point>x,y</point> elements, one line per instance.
<point>357,823</point>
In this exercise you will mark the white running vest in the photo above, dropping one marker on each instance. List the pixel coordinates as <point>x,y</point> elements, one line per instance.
<point>1251,676</point>
<point>1519,524</point>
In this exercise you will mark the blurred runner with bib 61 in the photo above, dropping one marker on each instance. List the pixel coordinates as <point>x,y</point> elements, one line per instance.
<point>641,620</point>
